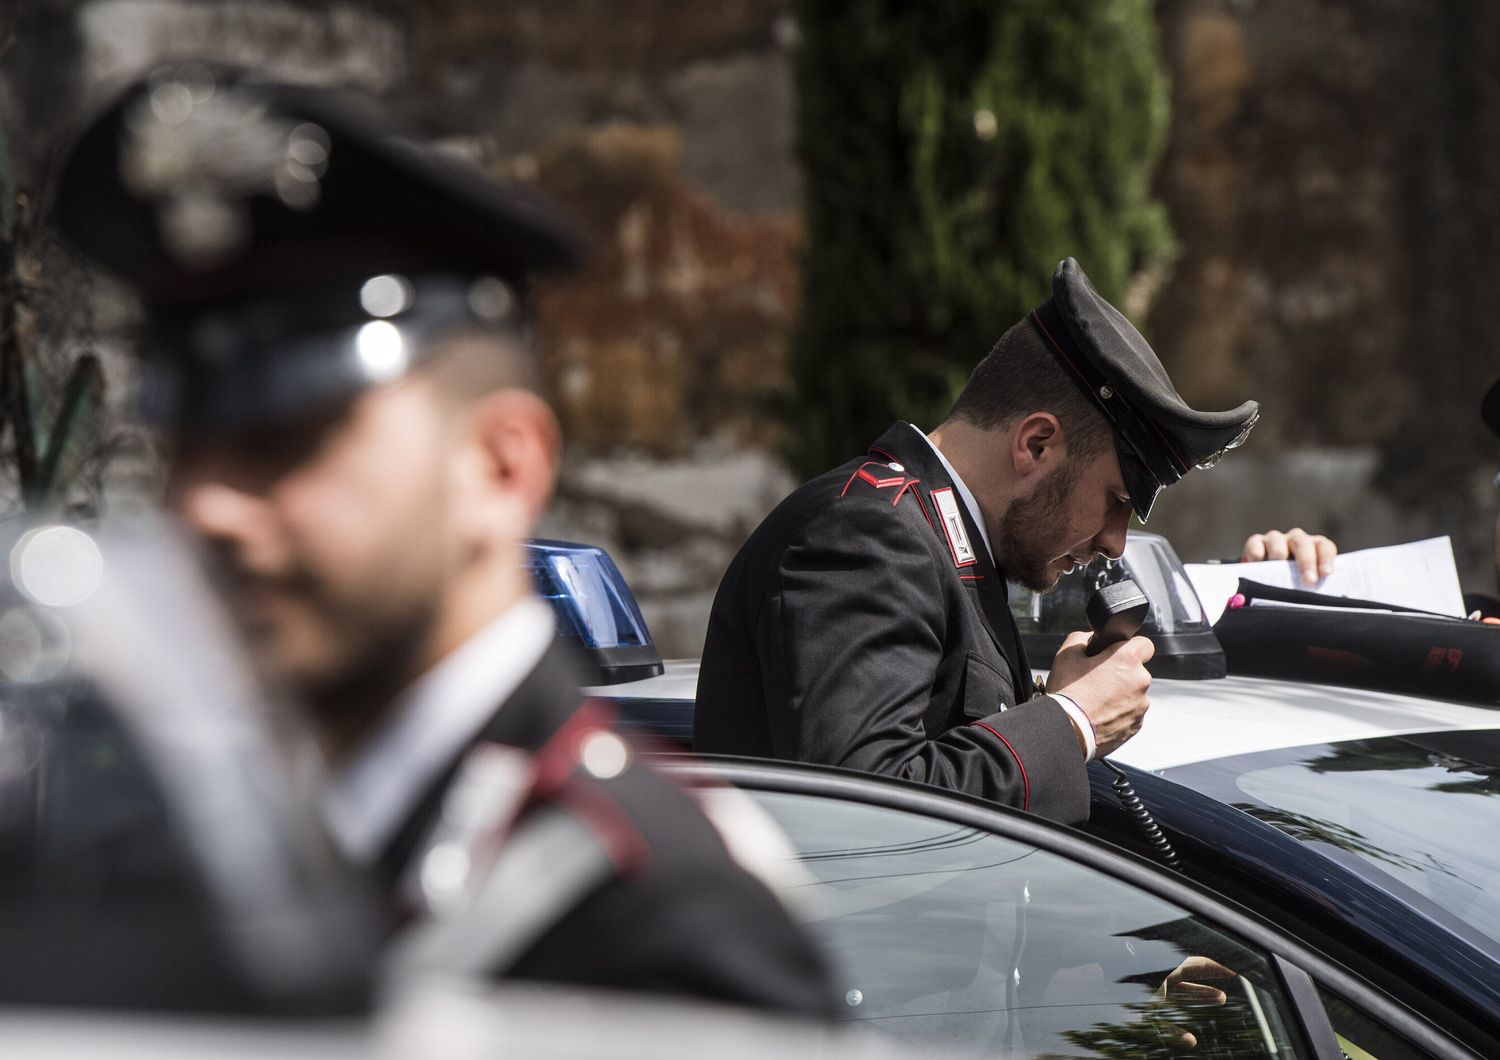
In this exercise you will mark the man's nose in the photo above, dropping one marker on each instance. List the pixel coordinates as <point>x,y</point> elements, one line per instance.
<point>215,509</point>
<point>1111,540</point>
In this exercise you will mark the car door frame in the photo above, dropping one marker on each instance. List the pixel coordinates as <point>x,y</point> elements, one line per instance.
<point>1300,967</point>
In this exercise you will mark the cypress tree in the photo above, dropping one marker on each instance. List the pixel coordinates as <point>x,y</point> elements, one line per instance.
<point>952,154</point>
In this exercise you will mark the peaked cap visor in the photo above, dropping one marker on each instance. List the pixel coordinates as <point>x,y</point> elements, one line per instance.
<point>1158,436</point>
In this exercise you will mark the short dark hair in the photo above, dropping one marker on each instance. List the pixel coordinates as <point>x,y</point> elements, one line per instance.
<point>469,362</point>
<point>1021,375</point>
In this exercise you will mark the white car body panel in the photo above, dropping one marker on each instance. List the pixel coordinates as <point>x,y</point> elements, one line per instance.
<point>1194,721</point>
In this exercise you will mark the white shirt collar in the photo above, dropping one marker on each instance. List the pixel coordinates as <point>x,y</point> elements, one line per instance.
<point>366,801</point>
<point>963,492</point>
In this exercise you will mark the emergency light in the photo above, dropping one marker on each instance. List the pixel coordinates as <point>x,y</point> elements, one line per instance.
<point>594,609</point>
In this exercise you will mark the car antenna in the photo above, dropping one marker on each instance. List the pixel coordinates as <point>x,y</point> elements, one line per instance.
<point>1115,613</point>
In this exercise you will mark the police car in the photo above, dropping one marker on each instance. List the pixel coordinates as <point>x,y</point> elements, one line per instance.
<point>1328,842</point>
<point>952,924</point>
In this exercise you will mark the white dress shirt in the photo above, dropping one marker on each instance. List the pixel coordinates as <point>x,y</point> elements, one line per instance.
<point>366,800</point>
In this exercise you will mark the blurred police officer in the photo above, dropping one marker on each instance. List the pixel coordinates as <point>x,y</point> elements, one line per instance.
<point>335,343</point>
<point>865,623</point>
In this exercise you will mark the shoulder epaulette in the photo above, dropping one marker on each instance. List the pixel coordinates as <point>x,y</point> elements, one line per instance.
<point>885,478</point>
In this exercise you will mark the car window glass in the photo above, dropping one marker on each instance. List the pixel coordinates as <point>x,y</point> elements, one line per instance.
<point>943,934</point>
<point>1362,1036</point>
<point>1403,808</point>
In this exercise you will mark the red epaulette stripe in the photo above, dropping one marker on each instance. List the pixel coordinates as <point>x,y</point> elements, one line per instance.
<point>971,577</point>
<point>881,483</point>
<point>878,483</point>
<point>556,765</point>
<point>555,761</point>
<point>1025,780</point>
<point>627,847</point>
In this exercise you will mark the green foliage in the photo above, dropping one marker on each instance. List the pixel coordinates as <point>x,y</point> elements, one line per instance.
<point>953,153</point>
<point>43,460</point>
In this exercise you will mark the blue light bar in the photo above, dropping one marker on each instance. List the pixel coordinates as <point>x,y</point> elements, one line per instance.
<point>594,609</point>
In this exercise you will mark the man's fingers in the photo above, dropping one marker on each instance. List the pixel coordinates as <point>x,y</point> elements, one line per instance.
<point>1078,636</point>
<point>1185,993</point>
<point>1313,553</point>
<point>1327,550</point>
<point>1178,1037</point>
<point>1199,967</point>
<point>1302,549</point>
<point>1178,989</point>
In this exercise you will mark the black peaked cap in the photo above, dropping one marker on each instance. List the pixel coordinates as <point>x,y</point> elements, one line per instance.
<point>1158,436</point>
<point>248,214</point>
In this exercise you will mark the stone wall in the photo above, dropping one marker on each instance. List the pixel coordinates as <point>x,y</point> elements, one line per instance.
<point>1330,176</point>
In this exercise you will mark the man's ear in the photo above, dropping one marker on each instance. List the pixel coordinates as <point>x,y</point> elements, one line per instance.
<point>1037,444</point>
<point>517,445</point>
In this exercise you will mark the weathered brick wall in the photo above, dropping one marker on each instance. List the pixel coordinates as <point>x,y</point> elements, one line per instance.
<point>1328,172</point>
<point>1330,176</point>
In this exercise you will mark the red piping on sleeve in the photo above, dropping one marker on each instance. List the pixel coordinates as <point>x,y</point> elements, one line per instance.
<point>1025,780</point>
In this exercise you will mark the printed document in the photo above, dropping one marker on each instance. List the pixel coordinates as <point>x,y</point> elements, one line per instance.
<point>1420,574</point>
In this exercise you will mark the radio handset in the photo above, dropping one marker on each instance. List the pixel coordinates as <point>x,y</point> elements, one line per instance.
<point>1115,613</point>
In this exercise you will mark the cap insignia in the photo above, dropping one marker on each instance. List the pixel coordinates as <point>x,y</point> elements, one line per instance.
<point>199,151</point>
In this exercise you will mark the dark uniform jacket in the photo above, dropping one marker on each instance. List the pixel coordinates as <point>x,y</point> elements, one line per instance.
<point>855,629</point>
<point>677,915</point>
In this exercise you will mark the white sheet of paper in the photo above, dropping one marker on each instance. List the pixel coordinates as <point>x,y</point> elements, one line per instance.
<point>1418,574</point>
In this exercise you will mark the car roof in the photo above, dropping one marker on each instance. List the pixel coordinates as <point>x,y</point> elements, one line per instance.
<point>1193,721</point>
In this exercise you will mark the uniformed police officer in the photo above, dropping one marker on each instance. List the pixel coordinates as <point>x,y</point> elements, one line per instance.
<point>865,623</point>
<point>335,344</point>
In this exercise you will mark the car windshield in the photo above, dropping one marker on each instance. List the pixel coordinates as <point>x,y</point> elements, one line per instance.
<point>1414,814</point>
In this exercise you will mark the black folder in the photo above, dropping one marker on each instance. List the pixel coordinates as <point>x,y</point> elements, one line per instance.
<point>1289,633</point>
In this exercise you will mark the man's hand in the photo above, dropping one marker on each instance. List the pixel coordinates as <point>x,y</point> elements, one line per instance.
<point>1111,687</point>
<point>1313,553</point>
<point>1186,986</point>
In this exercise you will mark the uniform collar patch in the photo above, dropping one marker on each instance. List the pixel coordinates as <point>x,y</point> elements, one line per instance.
<point>953,527</point>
